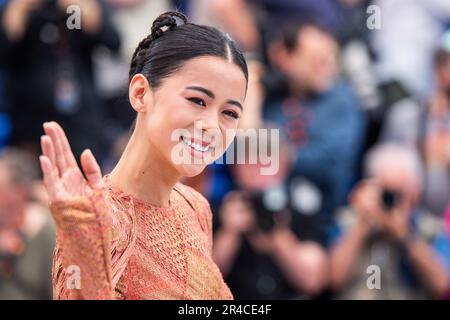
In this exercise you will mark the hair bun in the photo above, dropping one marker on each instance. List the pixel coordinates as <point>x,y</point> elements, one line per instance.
<point>171,20</point>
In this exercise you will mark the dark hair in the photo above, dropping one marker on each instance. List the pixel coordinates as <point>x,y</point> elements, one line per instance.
<point>164,51</point>
<point>289,32</point>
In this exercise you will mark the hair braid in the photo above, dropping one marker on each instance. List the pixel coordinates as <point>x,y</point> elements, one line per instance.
<point>168,20</point>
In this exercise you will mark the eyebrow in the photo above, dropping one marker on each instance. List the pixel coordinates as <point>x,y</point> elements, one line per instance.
<point>210,94</point>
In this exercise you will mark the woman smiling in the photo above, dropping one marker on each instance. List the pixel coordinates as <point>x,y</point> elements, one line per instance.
<point>137,233</point>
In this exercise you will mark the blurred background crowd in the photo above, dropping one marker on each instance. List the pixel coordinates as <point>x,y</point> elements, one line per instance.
<point>359,89</point>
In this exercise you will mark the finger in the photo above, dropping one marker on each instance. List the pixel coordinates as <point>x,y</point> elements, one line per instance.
<point>67,151</point>
<point>91,169</point>
<point>50,179</point>
<point>52,132</point>
<point>48,149</point>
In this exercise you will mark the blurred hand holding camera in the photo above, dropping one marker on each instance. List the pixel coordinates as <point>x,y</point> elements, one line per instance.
<point>272,240</point>
<point>236,214</point>
<point>382,209</point>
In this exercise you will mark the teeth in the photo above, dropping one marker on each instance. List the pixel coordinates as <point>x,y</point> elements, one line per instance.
<point>196,146</point>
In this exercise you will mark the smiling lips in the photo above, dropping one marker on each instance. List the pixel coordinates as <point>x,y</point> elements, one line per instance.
<point>197,145</point>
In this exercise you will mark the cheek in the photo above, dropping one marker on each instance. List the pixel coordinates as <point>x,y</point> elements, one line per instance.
<point>228,135</point>
<point>161,124</point>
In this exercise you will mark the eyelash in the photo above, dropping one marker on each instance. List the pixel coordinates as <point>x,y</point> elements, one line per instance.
<point>198,101</point>
<point>232,114</point>
<point>202,103</point>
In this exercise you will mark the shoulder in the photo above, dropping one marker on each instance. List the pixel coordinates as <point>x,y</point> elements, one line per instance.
<point>198,203</point>
<point>122,219</point>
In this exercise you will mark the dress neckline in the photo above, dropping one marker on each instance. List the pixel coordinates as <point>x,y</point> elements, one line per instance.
<point>140,202</point>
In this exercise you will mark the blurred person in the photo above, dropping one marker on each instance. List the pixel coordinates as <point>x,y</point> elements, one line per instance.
<point>386,229</point>
<point>249,20</point>
<point>264,246</point>
<point>436,140</point>
<point>137,232</point>
<point>27,234</point>
<point>44,53</point>
<point>318,111</point>
<point>404,44</point>
<point>425,124</point>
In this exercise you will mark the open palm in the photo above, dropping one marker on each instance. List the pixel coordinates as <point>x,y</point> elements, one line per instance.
<point>63,178</point>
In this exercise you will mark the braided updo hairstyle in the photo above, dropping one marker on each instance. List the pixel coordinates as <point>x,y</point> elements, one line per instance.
<point>173,41</point>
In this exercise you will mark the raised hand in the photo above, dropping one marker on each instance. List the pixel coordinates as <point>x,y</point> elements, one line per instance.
<point>63,178</point>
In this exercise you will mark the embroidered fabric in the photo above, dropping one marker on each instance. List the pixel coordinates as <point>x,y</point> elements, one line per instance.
<point>113,246</point>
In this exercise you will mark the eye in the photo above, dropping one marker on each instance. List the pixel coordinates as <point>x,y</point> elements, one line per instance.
<point>231,114</point>
<point>198,101</point>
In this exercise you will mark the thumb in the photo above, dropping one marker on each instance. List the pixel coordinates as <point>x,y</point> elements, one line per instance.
<point>91,169</point>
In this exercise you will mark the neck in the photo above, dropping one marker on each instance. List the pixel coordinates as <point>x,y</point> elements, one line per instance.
<point>144,173</point>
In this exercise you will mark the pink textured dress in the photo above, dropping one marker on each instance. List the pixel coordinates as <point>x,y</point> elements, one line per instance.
<point>114,246</point>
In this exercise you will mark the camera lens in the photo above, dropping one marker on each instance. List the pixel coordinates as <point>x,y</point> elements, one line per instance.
<point>390,199</point>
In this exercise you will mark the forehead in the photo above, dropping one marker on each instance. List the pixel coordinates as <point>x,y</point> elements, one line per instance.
<point>219,75</point>
<point>395,175</point>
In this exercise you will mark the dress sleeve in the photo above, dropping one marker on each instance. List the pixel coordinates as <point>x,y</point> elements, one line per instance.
<point>91,250</point>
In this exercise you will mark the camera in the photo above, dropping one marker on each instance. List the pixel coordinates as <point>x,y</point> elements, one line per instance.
<point>266,204</point>
<point>390,199</point>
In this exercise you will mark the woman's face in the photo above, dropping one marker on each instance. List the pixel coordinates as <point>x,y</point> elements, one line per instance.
<point>193,115</point>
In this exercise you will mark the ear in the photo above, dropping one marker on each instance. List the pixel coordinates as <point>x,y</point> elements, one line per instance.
<point>140,93</point>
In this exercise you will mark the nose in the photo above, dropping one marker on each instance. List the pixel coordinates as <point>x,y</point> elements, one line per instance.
<point>208,124</point>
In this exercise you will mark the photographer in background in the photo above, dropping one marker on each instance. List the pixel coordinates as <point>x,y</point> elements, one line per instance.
<point>27,232</point>
<point>386,228</point>
<point>264,248</point>
<point>49,70</point>
<point>428,128</point>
